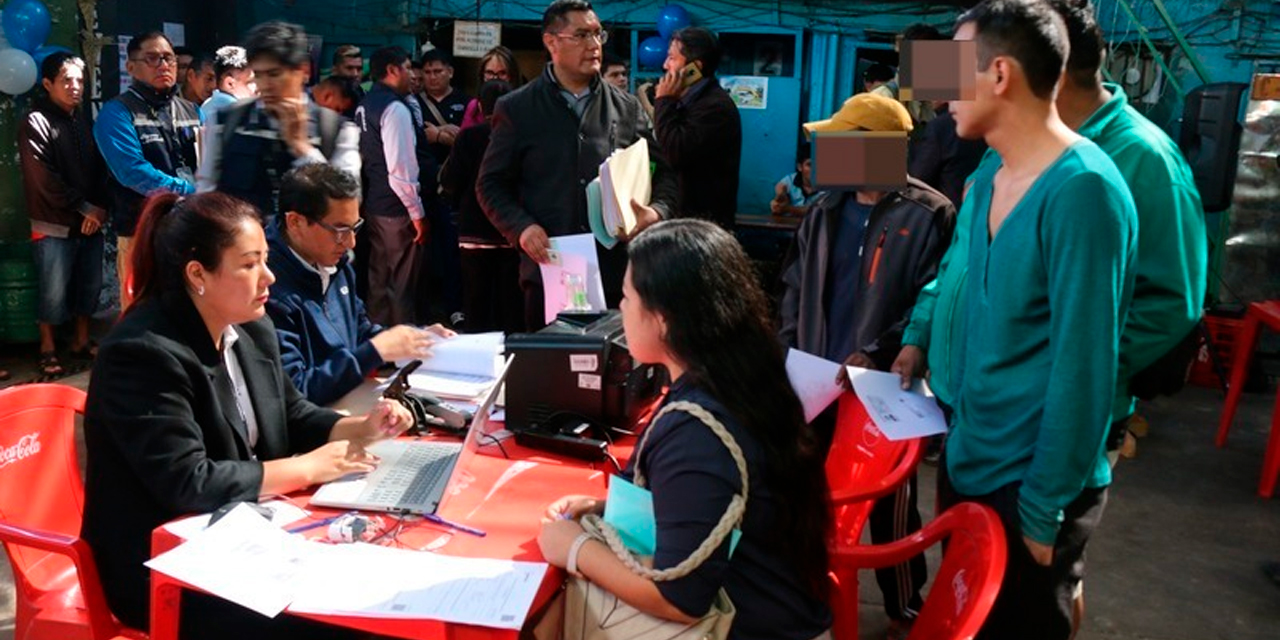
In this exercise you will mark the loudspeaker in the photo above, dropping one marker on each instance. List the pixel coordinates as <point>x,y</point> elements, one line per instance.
<point>1210,140</point>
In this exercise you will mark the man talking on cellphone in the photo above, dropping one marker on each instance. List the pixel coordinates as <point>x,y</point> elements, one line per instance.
<point>698,127</point>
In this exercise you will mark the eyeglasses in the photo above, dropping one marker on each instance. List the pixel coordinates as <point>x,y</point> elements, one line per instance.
<point>342,234</point>
<point>496,75</point>
<point>154,60</point>
<point>581,37</point>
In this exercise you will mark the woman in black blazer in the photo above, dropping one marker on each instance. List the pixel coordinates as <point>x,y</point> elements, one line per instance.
<point>188,407</point>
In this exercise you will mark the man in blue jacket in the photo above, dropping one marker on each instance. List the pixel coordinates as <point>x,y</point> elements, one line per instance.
<point>147,135</point>
<point>328,345</point>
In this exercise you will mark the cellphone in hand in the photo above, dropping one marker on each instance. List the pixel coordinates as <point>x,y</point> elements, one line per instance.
<point>690,74</point>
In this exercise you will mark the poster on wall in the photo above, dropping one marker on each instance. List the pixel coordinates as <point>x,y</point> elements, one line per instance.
<point>123,43</point>
<point>748,92</point>
<point>176,32</point>
<point>474,39</point>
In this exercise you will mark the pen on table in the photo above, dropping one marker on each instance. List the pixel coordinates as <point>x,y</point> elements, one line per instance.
<point>431,517</point>
<point>317,524</point>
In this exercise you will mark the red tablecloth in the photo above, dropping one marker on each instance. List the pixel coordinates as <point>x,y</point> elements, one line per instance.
<point>503,497</point>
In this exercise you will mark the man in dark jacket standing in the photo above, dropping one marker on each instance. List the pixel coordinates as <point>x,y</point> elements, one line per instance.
<point>549,138</point>
<point>861,257</point>
<point>699,129</point>
<point>63,178</point>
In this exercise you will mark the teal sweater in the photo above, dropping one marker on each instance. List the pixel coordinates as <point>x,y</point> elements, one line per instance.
<point>1171,272</point>
<point>1045,306</point>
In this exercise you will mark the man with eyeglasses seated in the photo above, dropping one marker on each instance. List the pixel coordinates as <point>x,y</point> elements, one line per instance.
<point>147,136</point>
<point>549,138</point>
<point>328,345</point>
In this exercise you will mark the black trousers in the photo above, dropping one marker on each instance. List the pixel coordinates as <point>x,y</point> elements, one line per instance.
<point>491,296</point>
<point>1035,601</point>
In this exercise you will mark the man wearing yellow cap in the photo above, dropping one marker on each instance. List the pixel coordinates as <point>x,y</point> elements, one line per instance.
<point>860,258</point>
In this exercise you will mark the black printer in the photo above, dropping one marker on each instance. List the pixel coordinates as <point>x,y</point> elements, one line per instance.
<point>578,367</point>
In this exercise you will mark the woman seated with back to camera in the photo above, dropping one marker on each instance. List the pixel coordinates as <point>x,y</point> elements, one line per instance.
<point>691,303</point>
<point>189,409</point>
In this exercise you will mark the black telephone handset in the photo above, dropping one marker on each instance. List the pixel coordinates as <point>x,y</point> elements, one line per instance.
<point>428,411</point>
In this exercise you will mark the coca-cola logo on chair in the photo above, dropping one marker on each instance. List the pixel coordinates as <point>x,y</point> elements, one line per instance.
<point>25,447</point>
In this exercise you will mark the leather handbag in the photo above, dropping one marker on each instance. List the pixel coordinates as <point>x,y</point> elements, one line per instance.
<point>584,611</point>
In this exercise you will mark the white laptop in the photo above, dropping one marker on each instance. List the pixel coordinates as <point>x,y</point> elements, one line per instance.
<point>412,476</point>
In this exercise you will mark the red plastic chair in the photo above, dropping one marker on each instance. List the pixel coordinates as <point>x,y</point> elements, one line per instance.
<point>59,595</point>
<point>862,466</point>
<point>965,586</point>
<point>1259,313</point>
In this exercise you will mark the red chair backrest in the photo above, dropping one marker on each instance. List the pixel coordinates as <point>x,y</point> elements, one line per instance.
<point>965,586</point>
<point>40,483</point>
<point>863,465</point>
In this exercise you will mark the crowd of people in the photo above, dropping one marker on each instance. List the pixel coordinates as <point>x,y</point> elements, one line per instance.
<point>1044,259</point>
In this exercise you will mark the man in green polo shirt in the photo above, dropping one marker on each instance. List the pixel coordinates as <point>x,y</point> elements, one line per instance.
<point>1172,246</point>
<point>1051,245</point>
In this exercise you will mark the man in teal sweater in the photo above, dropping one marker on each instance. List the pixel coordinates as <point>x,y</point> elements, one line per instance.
<point>1052,240</point>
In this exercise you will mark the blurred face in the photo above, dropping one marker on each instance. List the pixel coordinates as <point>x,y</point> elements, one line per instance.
<point>436,77</point>
<point>241,84</point>
<point>675,58</point>
<point>496,69</point>
<point>975,117</point>
<point>417,80</point>
<point>806,170</point>
<point>67,90</point>
<point>398,77</point>
<point>200,83</point>
<point>331,99</point>
<point>276,82</point>
<point>616,75</point>
<point>154,65</point>
<point>324,243</point>
<point>236,291</point>
<point>184,64</point>
<point>577,48</point>
<point>350,67</point>
<point>646,331</point>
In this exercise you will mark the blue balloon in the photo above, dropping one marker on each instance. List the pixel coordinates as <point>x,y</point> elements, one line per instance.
<point>26,24</point>
<point>45,51</point>
<point>671,19</point>
<point>653,52</point>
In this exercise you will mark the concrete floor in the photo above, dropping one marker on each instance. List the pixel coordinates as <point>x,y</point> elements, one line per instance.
<point>1178,552</point>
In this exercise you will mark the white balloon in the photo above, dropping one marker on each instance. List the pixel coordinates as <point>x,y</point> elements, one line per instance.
<point>17,71</point>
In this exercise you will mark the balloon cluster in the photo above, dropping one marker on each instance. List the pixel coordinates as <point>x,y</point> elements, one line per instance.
<point>653,50</point>
<point>22,49</point>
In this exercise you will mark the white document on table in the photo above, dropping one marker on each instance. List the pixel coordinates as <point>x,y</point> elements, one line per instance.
<point>814,380</point>
<point>462,367</point>
<point>576,254</point>
<point>382,582</point>
<point>900,414</point>
<point>242,558</point>
<point>283,513</point>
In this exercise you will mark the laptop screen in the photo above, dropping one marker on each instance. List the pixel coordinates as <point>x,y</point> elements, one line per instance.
<point>478,434</point>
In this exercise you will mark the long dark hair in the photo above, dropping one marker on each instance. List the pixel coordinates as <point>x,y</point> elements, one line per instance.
<point>698,278</point>
<point>175,230</point>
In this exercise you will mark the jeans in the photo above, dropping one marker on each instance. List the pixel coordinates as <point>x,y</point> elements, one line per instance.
<point>69,273</point>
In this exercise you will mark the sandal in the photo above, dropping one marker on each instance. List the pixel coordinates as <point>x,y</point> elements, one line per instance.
<point>49,365</point>
<point>88,352</point>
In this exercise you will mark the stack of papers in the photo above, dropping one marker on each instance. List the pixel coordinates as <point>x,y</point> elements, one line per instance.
<point>245,559</point>
<point>624,177</point>
<point>463,367</point>
<point>571,281</point>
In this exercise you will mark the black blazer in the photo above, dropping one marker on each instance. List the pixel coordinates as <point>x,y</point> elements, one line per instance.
<point>160,446</point>
<point>703,142</point>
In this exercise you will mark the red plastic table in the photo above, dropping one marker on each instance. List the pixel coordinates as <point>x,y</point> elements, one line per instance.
<point>500,496</point>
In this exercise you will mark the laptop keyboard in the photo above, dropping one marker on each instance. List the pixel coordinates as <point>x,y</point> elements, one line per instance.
<point>414,475</point>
